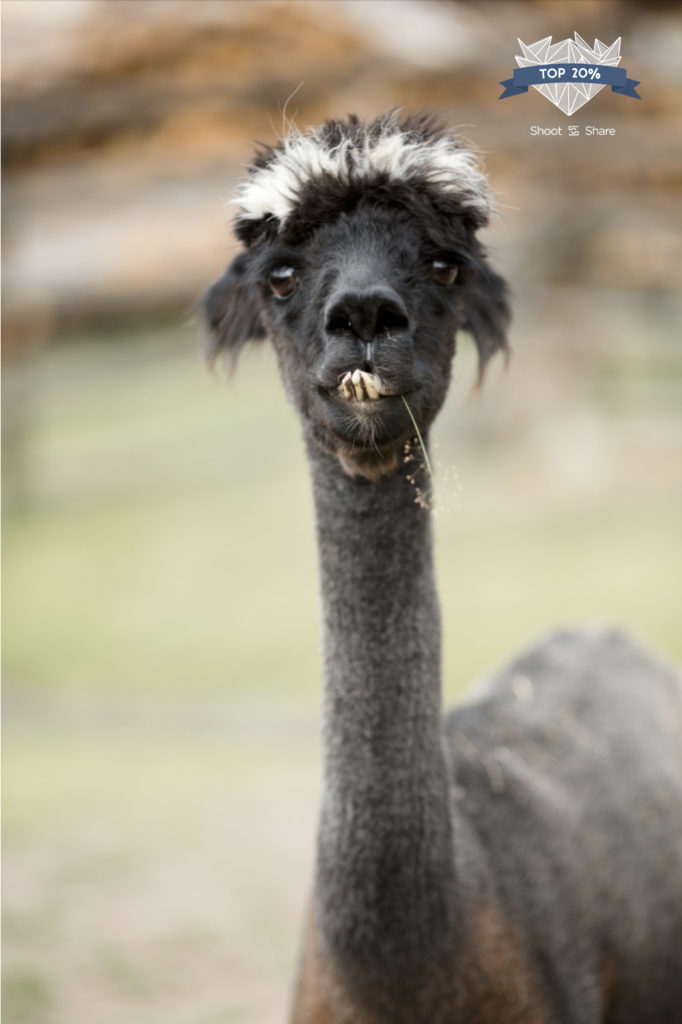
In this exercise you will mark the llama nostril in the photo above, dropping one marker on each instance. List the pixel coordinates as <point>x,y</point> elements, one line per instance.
<point>391,319</point>
<point>339,323</point>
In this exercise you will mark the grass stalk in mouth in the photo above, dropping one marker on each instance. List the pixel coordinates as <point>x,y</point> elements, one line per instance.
<point>427,460</point>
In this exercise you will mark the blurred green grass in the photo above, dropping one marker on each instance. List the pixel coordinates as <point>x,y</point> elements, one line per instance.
<point>152,547</point>
<point>159,532</point>
<point>159,535</point>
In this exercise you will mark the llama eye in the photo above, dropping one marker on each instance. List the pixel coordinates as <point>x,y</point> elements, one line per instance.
<point>443,272</point>
<point>283,281</point>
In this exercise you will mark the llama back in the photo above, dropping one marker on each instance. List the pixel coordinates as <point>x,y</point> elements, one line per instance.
<point>567,766</point>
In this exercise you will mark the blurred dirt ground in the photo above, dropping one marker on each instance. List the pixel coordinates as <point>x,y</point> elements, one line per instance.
<point>152,873</point>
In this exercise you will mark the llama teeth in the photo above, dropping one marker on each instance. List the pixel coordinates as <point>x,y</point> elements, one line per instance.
<point>364,385</point>
<point>358,385</point>
<point>346,387</point>
<point>370,386</point>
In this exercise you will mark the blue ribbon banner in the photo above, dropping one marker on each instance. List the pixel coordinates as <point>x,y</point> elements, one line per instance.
<point>564,74</point>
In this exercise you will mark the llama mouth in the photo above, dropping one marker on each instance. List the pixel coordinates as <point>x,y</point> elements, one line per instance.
<point>360,386</point>
<point>364,410</point>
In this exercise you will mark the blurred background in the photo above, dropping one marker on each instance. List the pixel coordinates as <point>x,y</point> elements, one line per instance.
<point>160,598</point>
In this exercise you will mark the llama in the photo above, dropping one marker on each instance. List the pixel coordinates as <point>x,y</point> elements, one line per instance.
<point>518,860</point>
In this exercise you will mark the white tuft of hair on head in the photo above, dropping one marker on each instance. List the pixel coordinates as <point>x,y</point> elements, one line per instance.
<point>275,189</point>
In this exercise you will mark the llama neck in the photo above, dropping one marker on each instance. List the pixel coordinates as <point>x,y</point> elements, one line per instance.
<point>385,857</point>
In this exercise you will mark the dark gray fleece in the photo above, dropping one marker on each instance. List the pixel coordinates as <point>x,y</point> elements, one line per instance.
<point>520,861</point>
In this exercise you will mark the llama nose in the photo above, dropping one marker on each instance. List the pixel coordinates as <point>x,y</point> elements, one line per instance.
<point>367,313</point>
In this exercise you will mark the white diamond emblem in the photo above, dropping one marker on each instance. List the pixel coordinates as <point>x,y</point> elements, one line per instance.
<point>568,96</point>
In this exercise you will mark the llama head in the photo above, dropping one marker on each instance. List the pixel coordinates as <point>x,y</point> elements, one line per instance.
<point>361,263</point>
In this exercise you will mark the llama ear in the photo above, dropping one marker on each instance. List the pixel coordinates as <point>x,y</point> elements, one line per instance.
<point>231,311</point>
<point>486,311</point>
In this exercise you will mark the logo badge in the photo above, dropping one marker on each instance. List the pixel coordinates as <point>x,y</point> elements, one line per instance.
<point>570,73</point>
